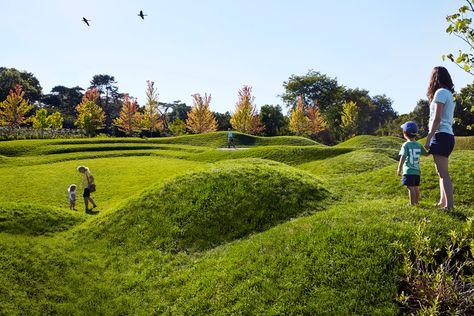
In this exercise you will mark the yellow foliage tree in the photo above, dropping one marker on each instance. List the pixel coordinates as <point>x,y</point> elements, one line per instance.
<point>350,118</point>
<point>90,116</point>
<point>129,118</point>
<point>200,118</point>
<point>246,118</point>
<point>14,108</point>
<point>299,123</point>
<point>151,118</point>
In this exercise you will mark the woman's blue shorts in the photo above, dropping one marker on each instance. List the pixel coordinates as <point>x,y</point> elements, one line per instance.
<point>442,144</point>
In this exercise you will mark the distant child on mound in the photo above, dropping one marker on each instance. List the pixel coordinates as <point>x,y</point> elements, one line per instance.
<point>72,196</point>
<point>410,161</point>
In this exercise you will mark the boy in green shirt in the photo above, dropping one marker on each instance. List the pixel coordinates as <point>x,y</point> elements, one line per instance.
<point>410,161</point>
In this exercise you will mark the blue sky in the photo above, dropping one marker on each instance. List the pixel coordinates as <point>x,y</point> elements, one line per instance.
<point>217,46</point>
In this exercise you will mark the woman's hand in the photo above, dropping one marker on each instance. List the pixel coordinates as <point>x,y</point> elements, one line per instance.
<point>428,141</point>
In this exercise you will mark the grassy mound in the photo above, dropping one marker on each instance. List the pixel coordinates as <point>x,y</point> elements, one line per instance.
<point>349,163</point>
<point>28,219</point>
<point>368,141</point>
<point>384,182</point>
<point>464,143</point>
<point>203,209</point>
<point>292,155</point>
<point>219,139</point>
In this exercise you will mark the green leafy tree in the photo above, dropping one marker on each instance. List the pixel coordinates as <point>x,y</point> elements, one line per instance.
<point>179,110</point>
<point>246,117</point>
<point>129,120</point>
<point>200,118</point>
<point>64,100</point>
<point>40,120</point>
<point>459,24</point>
<point>223,120</point>
<point>55,120</point>
<point>11,77</point>
<point>420,115</point>
<point>382,112</point>
<point>463,116</point>
<point>299,123</point>
<point>178,127</point>
<point>109,98</point>
<point>151,118</point>
<point>365,109</point>
<point>273,119</point>
<point>14,108</point>
<point>319,89</point>
<point>90,116</point>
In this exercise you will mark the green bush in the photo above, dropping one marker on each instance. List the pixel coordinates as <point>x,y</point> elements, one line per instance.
<point>438,281</point>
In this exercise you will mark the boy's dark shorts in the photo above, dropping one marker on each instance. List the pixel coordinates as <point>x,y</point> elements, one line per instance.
<point>87,193</point>
<point>441,144</point>
<point>411,180</point>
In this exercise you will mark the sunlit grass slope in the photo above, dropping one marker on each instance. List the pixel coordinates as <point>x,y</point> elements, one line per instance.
<point>206,208</point>
<point>368,141</point>
<point>31,219</point>
<point>191,230</point>
<point>116,178</point>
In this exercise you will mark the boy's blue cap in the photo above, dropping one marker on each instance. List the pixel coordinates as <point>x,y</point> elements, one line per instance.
<point>410,127</point>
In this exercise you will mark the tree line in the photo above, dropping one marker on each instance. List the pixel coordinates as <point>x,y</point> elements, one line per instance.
<point>317,107</point>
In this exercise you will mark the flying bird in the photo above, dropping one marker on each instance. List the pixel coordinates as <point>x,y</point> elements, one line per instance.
<point>85,21</point>
<point>142,15</point>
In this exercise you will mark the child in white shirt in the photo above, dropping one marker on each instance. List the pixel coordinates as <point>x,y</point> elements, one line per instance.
<point>72,196</point>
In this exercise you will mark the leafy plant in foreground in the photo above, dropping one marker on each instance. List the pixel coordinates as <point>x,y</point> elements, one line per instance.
<point>438,281</point>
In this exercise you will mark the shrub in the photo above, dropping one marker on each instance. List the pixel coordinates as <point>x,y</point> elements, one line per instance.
<point>438,281</point>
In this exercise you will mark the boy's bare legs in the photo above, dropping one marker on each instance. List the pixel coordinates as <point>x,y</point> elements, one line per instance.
<point>417,194</point>
<point>411,195</point>
<point>445,184</point>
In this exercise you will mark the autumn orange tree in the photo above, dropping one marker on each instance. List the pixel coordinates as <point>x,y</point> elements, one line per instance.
<point>90,116</point>
<point>14,108</point>
<point>151,118</point>
<point>200,118</point>
<point>246,117</point>
<point>129,118</point>
<point>317,124</point>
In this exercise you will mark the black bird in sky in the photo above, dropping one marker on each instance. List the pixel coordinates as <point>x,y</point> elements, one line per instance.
<point>85,21</point>
<point>142,15</point>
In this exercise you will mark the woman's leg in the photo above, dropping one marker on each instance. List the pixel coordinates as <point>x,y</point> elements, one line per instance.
<point>445,184</point>
<point>92,201</point>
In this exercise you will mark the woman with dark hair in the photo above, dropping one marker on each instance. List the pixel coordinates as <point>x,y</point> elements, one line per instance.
<point>440,139</point>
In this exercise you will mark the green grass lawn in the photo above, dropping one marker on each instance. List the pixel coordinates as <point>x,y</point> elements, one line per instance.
<point>287,226</point>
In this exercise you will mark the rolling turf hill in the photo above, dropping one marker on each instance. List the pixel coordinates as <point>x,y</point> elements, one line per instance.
<point>285,226</point>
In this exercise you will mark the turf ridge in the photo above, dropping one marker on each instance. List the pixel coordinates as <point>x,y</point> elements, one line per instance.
<point>227,201</point>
